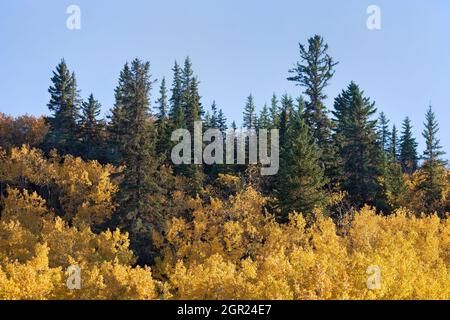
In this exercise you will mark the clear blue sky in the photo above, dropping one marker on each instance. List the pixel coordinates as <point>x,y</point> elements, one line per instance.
<point>237,48</point>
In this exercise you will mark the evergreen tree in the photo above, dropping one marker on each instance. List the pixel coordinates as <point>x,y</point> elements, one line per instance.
<point>250,114</point>
<point>434,166</point>
<point>162,105</point>
<point>264,118</point>
<point>190,110</point>
<point>207,122</point>
<point>274,112</point>
<point>383,132</point>
<point>214,116</point>
<point>285,117</point>
<point>395,187</point>
<point>64,106</point>
<point>300,181</point>
<point>117,126</point>
<point>91,131</point>
<point>300,106</point>
<point>176,113</point>
<point>141,191</point>
<point>408,148</point>
<point>358,148</point>
<point>163,144</point>
<point>393,146</point>
<point>222,121</point>
<point>313,73</point>
<point>190,98</point>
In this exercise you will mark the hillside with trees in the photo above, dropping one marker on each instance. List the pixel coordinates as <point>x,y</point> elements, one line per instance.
<point>352,191</point>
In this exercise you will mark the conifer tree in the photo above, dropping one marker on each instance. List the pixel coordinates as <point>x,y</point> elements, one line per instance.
<point>285,117</point>
<point>433,166</point>
<point>91,130</point>
<point>274,112</point>
<point>162,105</point>
<point>264,118</point>
<point>393,145</point>
<point>141,192</point>
<point>313,73</point>
<point>214,115</point>
<point>384,133</point>
<point>190,110</point>
<point>250,120</point>
<point>358,149</point>
<point>117,122</point>
<point>408,148</point>
<point>64,106</point>
<point>207,121</point>
<point>176,113</point>
<point>163,144</point>
<point>190,98</point>
<point>300,181</point>
<point>395,186</point>
<point>222,121</point>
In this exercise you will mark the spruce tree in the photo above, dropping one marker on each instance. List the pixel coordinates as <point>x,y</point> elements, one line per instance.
<point>91,131</point>
<point>313,73</point>
<point>358,147</point>
<point>300,181</point>
<point>161,103</point>
<point>117,126</point>
<point>274,112</point>
<point>384,133</point>
<point>433,166</point>
<point>393,145</point>
<point>408,148</point>
<point>64,106</point>
<point>207,121</point>
<point>264,118</point>
<point>395,187</point>
<point>190,110</point>
<point>285,117</point>
<point>190,98</point>
<point>250,120</point>
<point>176,113</point>
<point>222,121</point>
<point>214,116</point>
<point>141,192</point>
<point>163,144</point>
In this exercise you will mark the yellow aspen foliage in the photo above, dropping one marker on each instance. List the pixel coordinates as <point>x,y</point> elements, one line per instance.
<point>30,280</point>
<point>227,247</point>
<point>84,190</point>
<point>36,249</point>
<point>235,250</point>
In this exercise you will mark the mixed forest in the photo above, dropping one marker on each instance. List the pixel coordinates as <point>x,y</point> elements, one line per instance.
<point>352,191</point>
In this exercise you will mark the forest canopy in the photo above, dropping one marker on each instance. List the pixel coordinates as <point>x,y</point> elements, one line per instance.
<point>352,195</point>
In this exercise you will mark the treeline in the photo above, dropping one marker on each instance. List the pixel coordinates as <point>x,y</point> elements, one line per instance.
<point>332,160</point>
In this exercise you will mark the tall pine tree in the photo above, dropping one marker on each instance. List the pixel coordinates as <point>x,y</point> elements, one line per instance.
<point>433,166</point>
<point>274,112</point>
<point>384,133</point>
<point>313,73</point>
<point>141,192</point>
<point>64,106</point>
<point>393,145</point>
<point>249,121</point>
<point>163,144</point>
<point>176,112</point>
<point>408,148</point>
<point>91,131</point>
<point>300,181</point>
<point>358,149</point>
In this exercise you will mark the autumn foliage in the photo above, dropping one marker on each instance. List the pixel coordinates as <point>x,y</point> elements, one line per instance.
<point>53,210</point>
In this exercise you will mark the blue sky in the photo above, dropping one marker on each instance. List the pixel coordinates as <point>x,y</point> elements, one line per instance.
<point>237,48</point>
